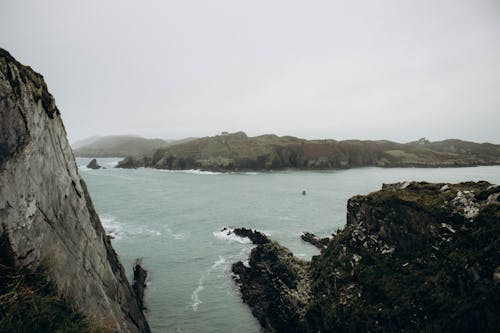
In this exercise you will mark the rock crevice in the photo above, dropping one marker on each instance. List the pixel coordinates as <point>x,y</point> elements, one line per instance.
<point>46,212</point>
<point>413,257</point>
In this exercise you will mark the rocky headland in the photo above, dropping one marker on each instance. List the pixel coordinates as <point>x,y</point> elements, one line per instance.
<point>238,152</point>
<point>413,257</point>
<point>58,269</point>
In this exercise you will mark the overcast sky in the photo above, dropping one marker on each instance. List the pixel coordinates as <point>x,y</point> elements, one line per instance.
<point>397,70</point>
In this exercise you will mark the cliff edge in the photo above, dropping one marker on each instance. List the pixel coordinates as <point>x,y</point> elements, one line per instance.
<point>46,214</point>
<point>413,257</point>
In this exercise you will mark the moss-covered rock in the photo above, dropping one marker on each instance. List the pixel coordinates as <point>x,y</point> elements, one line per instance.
<point>412,257</point>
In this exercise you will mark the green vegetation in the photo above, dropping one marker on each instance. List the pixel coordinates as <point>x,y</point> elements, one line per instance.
<point>438,278</point>
<point>238,152</point>
<point>413,257</point>
<point>29,303</point>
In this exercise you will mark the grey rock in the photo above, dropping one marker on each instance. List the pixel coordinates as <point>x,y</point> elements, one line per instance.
<point>46,212</point>
<point>94,165</point>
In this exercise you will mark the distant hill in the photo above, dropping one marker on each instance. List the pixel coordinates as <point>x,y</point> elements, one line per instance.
<point>237,152</point>
<point>85,142</point>
<point>117,146</point>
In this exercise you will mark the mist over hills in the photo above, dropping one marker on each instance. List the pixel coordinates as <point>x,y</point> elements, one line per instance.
<point>119,145</point>
<point>238,152</point>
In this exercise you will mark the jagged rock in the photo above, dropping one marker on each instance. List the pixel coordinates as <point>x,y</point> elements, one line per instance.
<point>410,258</point>
<point>255,236</point>
<point>311,238</point>
<point>139,282</point>
<point>46,213</point>
<point>93,165</point>
<point>275,286</point>
<point>129,163</point>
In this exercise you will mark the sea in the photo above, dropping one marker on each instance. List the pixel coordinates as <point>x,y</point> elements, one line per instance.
<point>173,221</point>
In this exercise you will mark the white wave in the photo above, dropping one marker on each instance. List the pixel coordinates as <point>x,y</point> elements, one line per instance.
<point>111,164</point>
<point>174,235</point>
<point>112,228</point>
<point>84,168</point>
<point>120,231</point>
<point>218,262</point>
<point>195,298</point>
<point>228,234</point>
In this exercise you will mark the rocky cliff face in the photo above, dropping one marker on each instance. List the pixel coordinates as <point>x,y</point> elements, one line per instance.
<point>46,214</point>
<point>413,257</point>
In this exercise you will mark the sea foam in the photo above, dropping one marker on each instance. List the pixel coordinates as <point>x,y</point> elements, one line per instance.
<point>228,234</point>
<point>120,231</point>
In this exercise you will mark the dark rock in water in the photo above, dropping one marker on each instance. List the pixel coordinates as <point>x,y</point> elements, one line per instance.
<point>46,213</point>
<point>275,288</point>
<point>413,257</point>
<point>311,238</point>
<point>255,236</point>
<point>139,282</point>
<point>129,163</point>
<point>93,165</point>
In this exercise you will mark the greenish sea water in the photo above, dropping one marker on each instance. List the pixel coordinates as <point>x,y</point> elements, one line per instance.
<point>172,220</point>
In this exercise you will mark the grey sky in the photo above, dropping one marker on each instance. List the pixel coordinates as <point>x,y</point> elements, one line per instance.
<point>397,70</point>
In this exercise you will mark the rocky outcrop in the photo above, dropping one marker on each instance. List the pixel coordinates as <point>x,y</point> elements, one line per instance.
<point>238,152</point>
<point>255,236</point>
<point>93,165</point>
<point>139,282</point>
<point>312,239</point>
<point>275,286</point>
<point>412,257</point>
<point>46,213</point>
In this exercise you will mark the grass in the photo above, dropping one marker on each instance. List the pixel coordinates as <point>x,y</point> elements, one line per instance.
<point>29,302</point>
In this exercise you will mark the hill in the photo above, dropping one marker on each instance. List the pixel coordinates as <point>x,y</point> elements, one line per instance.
<point>238,152</point>
<point>116,146</point>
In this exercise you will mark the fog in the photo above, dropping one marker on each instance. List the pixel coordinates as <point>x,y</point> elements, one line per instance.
<point>397,70</point>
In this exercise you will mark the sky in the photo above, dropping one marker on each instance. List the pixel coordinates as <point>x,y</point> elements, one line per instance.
<point>388,69</point>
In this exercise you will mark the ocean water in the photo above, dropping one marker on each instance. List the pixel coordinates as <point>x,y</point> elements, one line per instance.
<point>173,220</point>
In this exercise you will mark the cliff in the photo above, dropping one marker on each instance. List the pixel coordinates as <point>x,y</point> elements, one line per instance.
<point>47,219</point>
<point>238,152</point>
<point>413,257</point>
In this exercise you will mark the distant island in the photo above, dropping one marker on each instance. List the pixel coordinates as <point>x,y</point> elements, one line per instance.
<point>238,152</point>
<point>119,146</point>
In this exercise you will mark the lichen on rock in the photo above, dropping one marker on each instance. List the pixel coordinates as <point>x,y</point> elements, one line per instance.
<point>412,257</point>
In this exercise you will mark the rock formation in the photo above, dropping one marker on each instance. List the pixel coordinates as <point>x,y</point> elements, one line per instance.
<point>312,239</point>
<point>139,283</point>
<point>93,165</point>
<point>46,214</point>
<point>413,257</point>
<point>238,152</point>
<point>255,236</point>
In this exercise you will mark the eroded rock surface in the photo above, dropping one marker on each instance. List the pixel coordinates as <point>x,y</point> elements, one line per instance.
<point>45,210</point>
<point>312,239</point>
<point>413,257</point>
